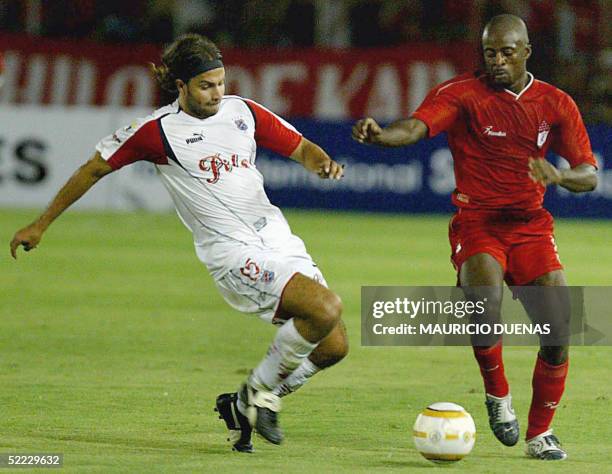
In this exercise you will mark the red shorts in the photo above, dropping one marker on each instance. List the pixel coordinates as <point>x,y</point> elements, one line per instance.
<point>521,241</point>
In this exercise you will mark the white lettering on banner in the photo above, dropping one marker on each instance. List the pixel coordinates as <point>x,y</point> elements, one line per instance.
<point>339,85</point>
<point>62,67</point>
<point>86,77</point>
<point>8,91</point>
<point>35,80</point>
<point>63,76</point>
<point>272,78</point>
<point>604,180</point>
<point>143,87</point>
<point>418,84</point>
<point>364,177</point>
<point>383,102</point>
<point>241,82</point>
<point>331,96</point>
<point>443,71</point>
<point>442,177</point>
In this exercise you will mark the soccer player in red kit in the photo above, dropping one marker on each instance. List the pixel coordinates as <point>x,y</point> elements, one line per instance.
<point>500,124</point>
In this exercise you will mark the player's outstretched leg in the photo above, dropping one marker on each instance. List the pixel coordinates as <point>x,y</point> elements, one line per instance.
<point>314,311</point>
<point>481,278</point>
<point>237,424</point>
<point>330,351</point>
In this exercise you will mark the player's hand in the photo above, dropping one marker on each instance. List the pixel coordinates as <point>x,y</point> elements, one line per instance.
<point>330,170</point>
<point>544,172</point>
<point>28,237</point>
<point>367,131</point>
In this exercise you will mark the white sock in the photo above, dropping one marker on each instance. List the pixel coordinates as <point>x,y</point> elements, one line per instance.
<point>284,356</point>
<point>298,378</point>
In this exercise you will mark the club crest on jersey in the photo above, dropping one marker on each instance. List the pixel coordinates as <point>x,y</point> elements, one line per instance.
<point>268,276</point>
<point>543,131</point>
<point>241,124</point>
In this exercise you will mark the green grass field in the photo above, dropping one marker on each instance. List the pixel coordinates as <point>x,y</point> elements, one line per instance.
<point>114,344</point>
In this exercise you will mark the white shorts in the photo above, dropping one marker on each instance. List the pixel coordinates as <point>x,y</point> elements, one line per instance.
<point>256,282</point>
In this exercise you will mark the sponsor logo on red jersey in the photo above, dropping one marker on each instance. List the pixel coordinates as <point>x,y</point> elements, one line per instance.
<point>493,133</point>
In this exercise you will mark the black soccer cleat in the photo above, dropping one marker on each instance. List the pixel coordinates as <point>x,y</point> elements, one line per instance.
<point>262,412</point>
<point>502,419</point>
<point>238,425</point>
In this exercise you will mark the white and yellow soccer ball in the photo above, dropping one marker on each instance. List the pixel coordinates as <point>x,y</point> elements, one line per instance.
<point>444,432</point>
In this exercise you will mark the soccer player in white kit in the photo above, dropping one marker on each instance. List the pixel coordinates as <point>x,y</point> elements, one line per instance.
<point>203,145</point>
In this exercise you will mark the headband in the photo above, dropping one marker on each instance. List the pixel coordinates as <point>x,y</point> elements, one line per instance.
<point>198,66</point>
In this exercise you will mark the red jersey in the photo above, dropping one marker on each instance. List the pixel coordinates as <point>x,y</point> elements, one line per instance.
<point>492,133</point>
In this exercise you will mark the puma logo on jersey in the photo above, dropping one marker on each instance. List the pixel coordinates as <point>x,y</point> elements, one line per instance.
<point>493,133</point>
<point>197,137</point>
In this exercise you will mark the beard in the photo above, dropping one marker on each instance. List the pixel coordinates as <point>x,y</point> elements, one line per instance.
<point>201,111</point>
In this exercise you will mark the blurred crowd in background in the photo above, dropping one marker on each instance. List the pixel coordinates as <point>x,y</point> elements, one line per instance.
<point>571,38</point>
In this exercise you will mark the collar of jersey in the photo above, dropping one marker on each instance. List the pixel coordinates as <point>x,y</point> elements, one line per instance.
<point>518,96</point>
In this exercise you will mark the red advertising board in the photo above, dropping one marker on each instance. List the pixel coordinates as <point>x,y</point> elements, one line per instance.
<point>326,84</point>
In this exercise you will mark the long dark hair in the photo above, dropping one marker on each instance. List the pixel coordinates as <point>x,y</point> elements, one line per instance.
<point>179,56</point>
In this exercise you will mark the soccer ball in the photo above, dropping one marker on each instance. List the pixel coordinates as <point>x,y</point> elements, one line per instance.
<point>444,432</point>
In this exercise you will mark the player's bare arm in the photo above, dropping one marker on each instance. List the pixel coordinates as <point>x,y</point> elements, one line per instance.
<point>580,179</point>
<point>78,184</point>
<point>314,159</point>
<point>399,133</point>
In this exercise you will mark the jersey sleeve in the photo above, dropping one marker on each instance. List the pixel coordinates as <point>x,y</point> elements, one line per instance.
<point>569,137</point>
<point>272,132</point>
<point>440,109</point>
<point>136,142</point>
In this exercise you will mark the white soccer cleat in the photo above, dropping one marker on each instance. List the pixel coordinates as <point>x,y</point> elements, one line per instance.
<point>545,446</point>
<point>502,419</point>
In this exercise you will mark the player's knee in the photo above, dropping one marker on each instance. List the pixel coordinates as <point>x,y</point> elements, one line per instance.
<point>331,310</point>
<point>489,298</point>
<point>331,354</point>
<point>334,356</point>
<point>341,350</point>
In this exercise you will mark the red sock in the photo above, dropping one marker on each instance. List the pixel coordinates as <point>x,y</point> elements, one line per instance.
<point>548,384</point>
<point>492,369</point>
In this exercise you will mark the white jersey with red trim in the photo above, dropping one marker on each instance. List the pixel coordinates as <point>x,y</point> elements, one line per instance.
<point>208,167</point>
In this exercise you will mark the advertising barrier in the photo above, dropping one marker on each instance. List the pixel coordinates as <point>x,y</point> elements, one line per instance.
<point>325,84</point>
<point>41,147</point>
